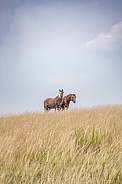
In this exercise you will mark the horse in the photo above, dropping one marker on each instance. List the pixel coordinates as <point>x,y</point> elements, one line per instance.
<point>54,103</point>
<point>66,101</point>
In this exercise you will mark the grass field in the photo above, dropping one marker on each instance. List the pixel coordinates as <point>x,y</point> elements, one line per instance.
<point>82,146</point>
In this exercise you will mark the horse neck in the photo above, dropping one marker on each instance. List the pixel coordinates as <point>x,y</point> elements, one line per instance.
<point>68,98</point>
<point>58,97</point>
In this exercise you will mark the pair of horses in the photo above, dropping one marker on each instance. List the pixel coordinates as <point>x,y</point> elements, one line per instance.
<point>59,102</point>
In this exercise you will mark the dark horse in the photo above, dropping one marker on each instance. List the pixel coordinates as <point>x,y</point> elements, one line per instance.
<point>66,101</point>
<point>54,103</point>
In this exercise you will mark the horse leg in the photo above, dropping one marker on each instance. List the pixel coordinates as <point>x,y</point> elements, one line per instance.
<point>62,107</point>
<point>66,107</point>
<point>55,109</point>
<point>58,107</point>
<point>46,110</point>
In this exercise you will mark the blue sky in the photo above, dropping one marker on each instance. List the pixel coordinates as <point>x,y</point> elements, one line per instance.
<point>46,45</point>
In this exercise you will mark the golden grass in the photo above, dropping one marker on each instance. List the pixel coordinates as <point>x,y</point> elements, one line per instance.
<point>81,146</point>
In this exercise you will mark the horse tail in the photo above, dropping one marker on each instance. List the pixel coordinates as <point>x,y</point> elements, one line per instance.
<point>46,104</point>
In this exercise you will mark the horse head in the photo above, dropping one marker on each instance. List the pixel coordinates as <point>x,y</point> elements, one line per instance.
<point>73,98</point>
<point>61,92</point>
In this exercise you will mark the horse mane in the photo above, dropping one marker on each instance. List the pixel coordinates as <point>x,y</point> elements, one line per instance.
<point>71,94</point>
<point>68,97</point>
<point>74,95</point>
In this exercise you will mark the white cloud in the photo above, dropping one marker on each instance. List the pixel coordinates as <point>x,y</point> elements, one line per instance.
<point>107,40</point>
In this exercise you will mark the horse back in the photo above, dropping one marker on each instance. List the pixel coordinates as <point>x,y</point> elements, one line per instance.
<point>50,102</point>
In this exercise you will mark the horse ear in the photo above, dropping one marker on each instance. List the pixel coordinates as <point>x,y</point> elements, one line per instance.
<point>61,90</point>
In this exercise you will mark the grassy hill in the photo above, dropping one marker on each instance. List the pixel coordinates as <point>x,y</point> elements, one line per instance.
<point>74,147</point>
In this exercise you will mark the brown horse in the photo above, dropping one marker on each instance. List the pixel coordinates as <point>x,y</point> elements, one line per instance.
<point>66,101</point>
<point>54,103</point>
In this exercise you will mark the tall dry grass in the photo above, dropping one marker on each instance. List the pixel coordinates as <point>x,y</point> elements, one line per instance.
<point>74,147</point>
